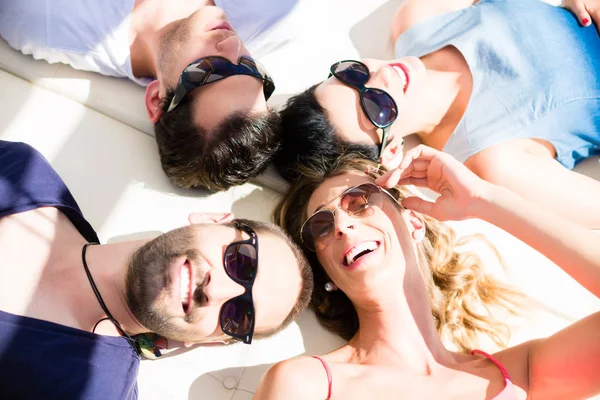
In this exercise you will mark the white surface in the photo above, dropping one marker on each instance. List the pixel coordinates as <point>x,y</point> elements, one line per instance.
<point>94,131</point>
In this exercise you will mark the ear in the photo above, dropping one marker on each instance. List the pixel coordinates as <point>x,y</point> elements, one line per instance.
<point>210,218</point>
<point>152,100</point>
<point>393,153</point>
<point>416,226</point>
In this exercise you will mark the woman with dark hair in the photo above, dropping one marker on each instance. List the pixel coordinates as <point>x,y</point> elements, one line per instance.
<point>508,87</point>
<point>389,278</point>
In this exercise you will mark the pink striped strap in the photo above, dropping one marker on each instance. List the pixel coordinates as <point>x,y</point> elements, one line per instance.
<point>329,380</point>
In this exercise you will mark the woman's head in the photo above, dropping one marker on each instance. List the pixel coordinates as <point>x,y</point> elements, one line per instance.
<point>389,246</point>
<point>331,118</point>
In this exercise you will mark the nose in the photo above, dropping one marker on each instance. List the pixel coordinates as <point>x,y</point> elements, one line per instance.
<point>230,48</point>
<point>220,289</point>
<point>343,223</point>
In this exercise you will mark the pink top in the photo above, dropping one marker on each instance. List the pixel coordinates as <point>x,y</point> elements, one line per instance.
<point>508,393</point>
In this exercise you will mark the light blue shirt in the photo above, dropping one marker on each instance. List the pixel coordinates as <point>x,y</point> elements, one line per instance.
<point>536,74</point>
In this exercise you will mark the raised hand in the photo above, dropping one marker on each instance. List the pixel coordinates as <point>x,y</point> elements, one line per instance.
<point>459,188</point>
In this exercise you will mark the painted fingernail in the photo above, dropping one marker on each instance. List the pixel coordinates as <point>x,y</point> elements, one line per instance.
<point>585,22</point>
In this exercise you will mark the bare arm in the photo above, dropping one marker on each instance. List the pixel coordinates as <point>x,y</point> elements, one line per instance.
<point>567,364</point>
<point>572,247</point>
<point>412,12</point>
<point>296,379</point>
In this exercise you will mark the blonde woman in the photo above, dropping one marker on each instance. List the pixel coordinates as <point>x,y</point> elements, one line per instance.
<point>389,279</point>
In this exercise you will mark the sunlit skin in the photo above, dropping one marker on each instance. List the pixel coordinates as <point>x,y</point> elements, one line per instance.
<point>49,283</point>
<point>342,102</point>
<point>388,226</point>
<point>205,32</point>
<point>277,278</point>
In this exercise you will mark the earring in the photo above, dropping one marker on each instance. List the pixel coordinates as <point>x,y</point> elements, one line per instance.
<point>329,287</point>
<point>419,235</point>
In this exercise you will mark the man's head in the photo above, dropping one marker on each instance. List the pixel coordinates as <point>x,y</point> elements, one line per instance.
<point>188,264</point>
<point>220,134</point>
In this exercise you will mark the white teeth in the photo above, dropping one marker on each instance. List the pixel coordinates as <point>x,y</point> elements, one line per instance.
<point>401,74</point>
<point>185,285</point>
<point>365,246</point>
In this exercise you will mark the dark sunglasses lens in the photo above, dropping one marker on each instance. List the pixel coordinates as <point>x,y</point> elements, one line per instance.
<point>379,106</point>
<point>237,316</point>
<point>241,262</point>
<point>251,65</point>
<point>352,73</point>
<point>318,229</point>
<point>358,200</point>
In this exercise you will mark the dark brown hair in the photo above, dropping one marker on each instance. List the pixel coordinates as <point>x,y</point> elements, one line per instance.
<point>238,149</point>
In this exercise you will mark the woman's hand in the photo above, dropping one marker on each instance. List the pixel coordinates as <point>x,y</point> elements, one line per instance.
<point>459,188</point>
<point>586,11</point>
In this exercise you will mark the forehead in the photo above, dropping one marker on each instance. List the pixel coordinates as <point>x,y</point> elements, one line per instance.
<point>333,187</point>
<point>218,100</point>
<point>277,283</point>
<point>342,104</point>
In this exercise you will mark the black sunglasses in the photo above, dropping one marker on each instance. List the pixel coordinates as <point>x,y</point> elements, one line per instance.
<point>377,104</point>
<point>358,201</point>
<point>210,69</point>
<point>237,315</point>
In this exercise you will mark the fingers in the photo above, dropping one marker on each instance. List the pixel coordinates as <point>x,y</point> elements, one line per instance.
<point>419,205</point>
<point>414,164</point>
<point>577,7</point>
<point>595,15</point>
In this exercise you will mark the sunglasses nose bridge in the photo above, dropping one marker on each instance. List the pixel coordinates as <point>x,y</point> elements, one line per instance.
<point>220,291</point>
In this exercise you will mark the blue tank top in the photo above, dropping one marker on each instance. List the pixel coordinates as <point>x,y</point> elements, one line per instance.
<point>536,74</point>
<point>40,359</point>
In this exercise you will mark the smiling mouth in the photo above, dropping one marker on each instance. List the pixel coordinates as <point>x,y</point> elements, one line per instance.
<point>359,251</point>
<point>403,73</point>
<point>186,286</point>
<point>221,25</point>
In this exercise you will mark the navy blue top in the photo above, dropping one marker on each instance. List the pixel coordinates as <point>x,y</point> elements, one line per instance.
<point>40,359</point>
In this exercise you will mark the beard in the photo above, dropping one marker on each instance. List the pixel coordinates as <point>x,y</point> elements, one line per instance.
<point>148,278</point>
<point>169,50</point>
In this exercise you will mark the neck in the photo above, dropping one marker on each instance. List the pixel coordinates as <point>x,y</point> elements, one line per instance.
<point>441,101</point>
<point>108,266</point>
<point>149,20</point>
<point>396,329</point>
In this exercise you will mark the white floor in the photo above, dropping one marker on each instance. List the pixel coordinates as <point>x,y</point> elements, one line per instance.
<point>94,131</point>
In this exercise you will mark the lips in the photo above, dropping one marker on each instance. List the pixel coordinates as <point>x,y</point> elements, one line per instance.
<point>219,25</point>
<point>356,252</point>
<point>403,73</point>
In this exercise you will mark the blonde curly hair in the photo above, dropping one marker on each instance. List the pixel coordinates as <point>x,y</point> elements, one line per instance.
<point>462,296</point>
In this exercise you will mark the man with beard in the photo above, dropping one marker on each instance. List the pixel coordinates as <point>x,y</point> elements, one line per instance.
<point>205,94</point>
<point>71,309</point>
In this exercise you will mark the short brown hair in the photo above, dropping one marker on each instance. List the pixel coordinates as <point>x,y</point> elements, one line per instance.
<point>238,149</point>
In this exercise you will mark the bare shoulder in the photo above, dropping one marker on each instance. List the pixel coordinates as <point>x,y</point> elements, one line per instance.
<point>412,12</point>
<point>294,379</point>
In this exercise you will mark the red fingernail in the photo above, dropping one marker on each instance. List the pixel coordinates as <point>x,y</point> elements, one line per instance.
<point>585,22</point>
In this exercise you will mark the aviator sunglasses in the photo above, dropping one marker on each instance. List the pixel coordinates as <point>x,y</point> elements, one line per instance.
<point>377,104</point>
<point>210,69</point>
<point>358,201</point>
<point>237,315</point>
